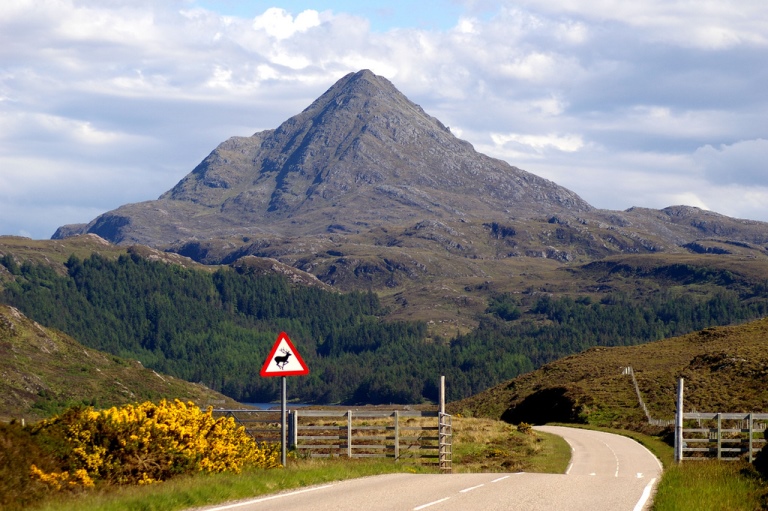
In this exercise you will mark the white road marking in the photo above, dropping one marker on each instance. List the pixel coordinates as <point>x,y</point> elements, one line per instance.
<point>465,490</point>
<point>645,496</point>
<point>639,475</point>
<point>264,499</point>
<point>614,457</point>
<point>502,478</point>
<point>417,508</point>
<point>570,465</point>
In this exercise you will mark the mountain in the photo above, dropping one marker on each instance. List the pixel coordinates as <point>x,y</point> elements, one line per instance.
<point>361,156</point>
<point>724,370</point>
<point>44,370</point>
<point>365,190</point>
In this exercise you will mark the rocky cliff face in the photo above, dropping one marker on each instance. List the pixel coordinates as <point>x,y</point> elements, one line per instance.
<point>362,155</point>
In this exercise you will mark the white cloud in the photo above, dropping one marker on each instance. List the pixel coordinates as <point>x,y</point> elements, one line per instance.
<point>646,103</point>
<point>540,143</point>
<point>280,24</point>
<point>710,25</point>
<point>744,162</point>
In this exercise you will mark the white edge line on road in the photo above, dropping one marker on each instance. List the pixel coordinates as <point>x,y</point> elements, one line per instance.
<point>264,499</point>
<point>500,479</point>
<point>645,496</point>
<point>658,461</point>
<point>465,490</point>
<point>570,463</point>
<point>417,508</point>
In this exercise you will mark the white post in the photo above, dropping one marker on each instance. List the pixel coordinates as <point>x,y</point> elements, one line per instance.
<point>751,432</point>
<point>442,395</point>
<point>442,429</point>
<point>283,406</point>
<point>679,424</point>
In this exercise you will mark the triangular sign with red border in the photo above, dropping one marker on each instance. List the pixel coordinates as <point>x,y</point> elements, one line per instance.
<point>284,360</point>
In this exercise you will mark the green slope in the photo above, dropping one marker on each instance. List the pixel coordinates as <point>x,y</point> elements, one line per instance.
<point>43,370</point>
<point>724,369</point>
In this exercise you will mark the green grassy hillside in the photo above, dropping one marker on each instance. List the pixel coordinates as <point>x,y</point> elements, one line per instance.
<point>44,371</point>
<point>724,368</point>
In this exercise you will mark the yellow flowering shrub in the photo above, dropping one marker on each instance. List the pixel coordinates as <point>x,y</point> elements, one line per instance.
<point>146,443</point>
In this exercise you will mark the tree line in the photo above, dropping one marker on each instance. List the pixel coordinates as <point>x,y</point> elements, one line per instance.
<point>216,327</point>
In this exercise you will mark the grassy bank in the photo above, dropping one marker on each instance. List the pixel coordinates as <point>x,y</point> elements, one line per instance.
<point>727,486</point>
<point>487,445</point>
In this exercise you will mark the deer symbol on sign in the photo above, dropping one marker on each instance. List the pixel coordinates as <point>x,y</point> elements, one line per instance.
<point>283,359</point>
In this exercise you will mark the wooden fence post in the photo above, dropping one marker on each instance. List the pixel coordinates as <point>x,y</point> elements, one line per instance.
<point>719,437</point>
<point>349,433</point>
<point>293,427</point>
<point>397,435</point>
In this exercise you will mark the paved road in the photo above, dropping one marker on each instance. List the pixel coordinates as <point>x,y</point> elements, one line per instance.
<point>607,472</point>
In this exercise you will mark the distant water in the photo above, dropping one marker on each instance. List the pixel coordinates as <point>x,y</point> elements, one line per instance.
<point>275,406</point>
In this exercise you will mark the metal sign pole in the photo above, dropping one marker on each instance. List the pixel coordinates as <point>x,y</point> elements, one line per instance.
<point>283,406</point>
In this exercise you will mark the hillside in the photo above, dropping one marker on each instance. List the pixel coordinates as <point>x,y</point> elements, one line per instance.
<point>44,370</point>
<point>724,368</point>
<point>216,324</point>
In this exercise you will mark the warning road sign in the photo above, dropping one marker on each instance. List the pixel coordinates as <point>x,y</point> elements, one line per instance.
<point>283,359</point>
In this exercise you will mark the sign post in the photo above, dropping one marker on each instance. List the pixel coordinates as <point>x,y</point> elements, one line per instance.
<point>283,360</point>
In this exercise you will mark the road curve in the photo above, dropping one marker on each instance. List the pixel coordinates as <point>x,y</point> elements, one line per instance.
<point>607,472</point>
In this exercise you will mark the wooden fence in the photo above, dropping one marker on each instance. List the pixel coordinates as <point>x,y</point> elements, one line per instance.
<point>418,436</point>
<point>724,436</point>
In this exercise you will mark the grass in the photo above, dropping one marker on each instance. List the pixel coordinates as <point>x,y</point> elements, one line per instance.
<point>487,445</point>
<point>712,485</point>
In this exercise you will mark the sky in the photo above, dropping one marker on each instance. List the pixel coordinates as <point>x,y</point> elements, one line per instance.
<point>648,103</point>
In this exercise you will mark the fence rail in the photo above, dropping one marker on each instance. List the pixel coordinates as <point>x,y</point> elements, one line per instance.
<point>417,436</point>
<point>725,436</point>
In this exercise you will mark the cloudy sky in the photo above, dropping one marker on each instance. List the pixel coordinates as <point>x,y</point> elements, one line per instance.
<point>628,103</point>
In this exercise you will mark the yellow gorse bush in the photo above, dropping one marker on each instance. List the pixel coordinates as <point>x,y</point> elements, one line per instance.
<point>147,442</point>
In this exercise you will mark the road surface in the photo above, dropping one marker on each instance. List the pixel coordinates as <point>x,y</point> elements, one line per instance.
<point>607,472</point>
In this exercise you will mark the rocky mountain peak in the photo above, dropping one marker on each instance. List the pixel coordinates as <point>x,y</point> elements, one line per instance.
<point>362,155</point>
<point>362,141</point>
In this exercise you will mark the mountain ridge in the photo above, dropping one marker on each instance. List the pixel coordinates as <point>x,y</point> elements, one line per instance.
<point>365,190</point>
<point>360,142</point>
